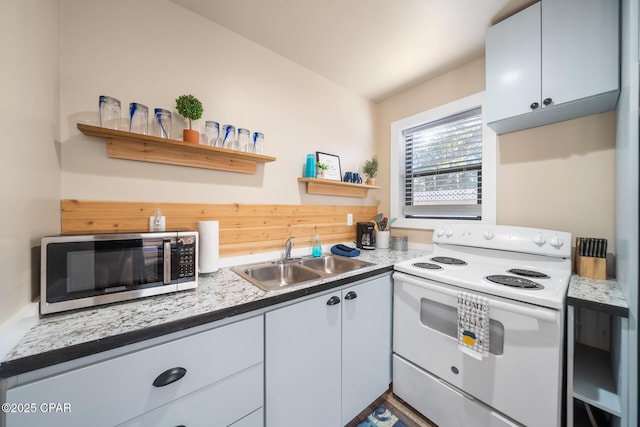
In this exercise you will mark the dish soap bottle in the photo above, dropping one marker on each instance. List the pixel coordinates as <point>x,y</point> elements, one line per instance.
<point>317,249</point>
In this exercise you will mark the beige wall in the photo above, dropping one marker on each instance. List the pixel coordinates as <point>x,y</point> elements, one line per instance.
<point>559,176</point>
<point>152,51</point>
<point>30,190</point>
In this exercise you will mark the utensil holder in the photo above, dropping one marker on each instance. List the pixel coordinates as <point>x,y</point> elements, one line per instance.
<point>592,267</point>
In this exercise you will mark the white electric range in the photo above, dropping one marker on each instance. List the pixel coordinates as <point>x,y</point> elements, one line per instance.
<point>523,274</point>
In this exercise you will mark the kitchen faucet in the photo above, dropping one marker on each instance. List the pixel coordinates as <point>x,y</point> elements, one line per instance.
<point>287,249</point>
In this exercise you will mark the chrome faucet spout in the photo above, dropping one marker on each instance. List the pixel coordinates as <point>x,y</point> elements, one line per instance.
<point>287,249</point>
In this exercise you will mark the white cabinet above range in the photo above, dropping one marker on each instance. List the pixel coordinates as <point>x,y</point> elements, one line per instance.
<point>554,61</point>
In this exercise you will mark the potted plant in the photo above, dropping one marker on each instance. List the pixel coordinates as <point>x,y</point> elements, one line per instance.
<point>370,169</point>
<point>190,108</point>
<point>320,168</point>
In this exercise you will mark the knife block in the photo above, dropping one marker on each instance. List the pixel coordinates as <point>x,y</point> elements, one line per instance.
<point>590,267</point>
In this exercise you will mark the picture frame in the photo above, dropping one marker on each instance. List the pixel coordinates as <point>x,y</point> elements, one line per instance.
<point>334,172</point>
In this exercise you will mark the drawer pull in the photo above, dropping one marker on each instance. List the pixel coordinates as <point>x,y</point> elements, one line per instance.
<point>351,295</point>
<point>534,105</point>
<point>333,300</point>
<point>547,101</point>
<point>169,376</point>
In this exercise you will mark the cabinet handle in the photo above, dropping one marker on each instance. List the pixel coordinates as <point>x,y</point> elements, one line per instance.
<point>333,301</point>
<point>169,376</point>
<point>534,105</point>
<point>547,101</point>
<point>351,295</point>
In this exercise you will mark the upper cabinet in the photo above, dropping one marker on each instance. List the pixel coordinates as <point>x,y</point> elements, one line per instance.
<point>556,60</point>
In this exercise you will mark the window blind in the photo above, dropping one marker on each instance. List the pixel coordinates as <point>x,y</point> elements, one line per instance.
<point>443,168</point>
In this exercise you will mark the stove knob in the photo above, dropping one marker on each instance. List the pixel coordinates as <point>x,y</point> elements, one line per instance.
<point>488,235</point>
<point>556,242</point>
<point>539,239</point>
<point>439,232</point>
<point>449,232</point>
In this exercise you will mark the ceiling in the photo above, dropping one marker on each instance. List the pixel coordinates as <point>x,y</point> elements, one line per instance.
<point>376,48</point>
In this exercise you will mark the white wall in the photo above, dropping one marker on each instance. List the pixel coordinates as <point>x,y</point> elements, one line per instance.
<point>29,117</point>
<point>152,51</point>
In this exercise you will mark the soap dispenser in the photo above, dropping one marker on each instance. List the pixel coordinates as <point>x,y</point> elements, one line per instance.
<point>317,249</point>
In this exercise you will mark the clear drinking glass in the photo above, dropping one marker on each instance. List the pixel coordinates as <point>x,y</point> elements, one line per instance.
<point>212,132</point>
<point>162,123</point>
<point>229,137</point>
<point>244,140</point>
<point>138,118</point>
<point>109,111</point>
<point>258,143</point>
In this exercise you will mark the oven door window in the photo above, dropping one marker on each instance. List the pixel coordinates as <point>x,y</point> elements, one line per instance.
<point>85,269</point>
<point>444,319</point>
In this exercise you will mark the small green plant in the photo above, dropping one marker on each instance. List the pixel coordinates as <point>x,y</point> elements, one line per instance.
<point>189,107</point>
<point>370,167</point>
<point>322,166</point>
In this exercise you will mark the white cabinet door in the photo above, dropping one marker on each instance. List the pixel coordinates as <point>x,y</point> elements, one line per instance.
<point>302,363</point>
<point>579,49</point>
<point>221,404</point>
<point>366,344</point>
<point>115,390</point>
<point>556,60</point>
<point>513,65</point>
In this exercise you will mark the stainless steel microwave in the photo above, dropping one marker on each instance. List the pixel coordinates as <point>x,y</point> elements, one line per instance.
<point>80,271</point>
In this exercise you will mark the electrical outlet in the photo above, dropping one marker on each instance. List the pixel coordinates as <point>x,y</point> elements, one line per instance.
<point>349,219</point>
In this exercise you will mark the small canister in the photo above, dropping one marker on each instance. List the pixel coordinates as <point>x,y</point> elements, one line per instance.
<point>399,242</point>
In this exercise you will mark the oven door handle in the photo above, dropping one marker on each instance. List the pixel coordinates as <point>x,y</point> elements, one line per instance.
<point>540,313</point>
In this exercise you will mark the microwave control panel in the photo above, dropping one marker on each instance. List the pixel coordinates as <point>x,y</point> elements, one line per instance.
<point>186,257</point>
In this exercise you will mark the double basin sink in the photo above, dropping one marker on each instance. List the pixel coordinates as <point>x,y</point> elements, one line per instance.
<point>273,275</point>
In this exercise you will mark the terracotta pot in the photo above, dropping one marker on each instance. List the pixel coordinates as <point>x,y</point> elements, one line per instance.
<point>371,181</point>
<point>191,136</point>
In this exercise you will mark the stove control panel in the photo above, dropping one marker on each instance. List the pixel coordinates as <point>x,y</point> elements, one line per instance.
<point>503,237</point>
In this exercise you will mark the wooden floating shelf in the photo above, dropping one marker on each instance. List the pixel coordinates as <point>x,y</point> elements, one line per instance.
<point>336,188</point>
<point>146,148</point>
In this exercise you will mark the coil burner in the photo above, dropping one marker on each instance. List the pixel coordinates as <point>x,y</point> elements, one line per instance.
<point>513,281</point>
<point>448,260</point>
<point>427,266</point>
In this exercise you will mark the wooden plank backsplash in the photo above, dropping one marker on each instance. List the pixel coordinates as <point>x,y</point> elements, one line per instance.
<point>244,228</point>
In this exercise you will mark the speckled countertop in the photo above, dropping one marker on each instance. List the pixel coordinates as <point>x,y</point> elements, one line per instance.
<point>596,294</point>
<point>62,337</point>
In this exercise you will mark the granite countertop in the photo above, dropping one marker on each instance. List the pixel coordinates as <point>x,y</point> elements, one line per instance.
<point>597,294</point>
<point>62,337</point>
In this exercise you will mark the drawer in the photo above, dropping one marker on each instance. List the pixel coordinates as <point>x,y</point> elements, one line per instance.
<point>438,401</point>
<point>222,404</point>
<point>111,392</point>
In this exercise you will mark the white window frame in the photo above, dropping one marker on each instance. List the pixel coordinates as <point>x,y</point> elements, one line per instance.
<point>488,164</point>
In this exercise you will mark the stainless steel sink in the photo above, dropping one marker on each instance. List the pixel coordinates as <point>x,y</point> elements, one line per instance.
<point>332,264</point>
<point>273,275</point>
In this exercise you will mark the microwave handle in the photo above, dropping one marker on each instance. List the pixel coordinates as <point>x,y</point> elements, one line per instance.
<point>167,262</point>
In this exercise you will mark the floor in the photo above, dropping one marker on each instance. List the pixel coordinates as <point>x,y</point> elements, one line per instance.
<point>409,415</point>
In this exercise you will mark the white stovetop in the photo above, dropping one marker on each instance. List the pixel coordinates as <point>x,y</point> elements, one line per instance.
<point>485,262</point>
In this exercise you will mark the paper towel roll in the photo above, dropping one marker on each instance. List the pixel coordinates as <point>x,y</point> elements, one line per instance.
<point>209,246</point>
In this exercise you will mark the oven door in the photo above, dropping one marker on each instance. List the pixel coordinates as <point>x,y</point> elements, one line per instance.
<point>522,375</point>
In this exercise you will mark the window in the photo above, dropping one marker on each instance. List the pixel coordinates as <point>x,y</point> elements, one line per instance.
<point>443,166</point>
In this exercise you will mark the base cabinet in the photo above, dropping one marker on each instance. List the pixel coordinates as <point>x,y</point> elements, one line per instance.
<point>328,357</point>
<point>187,381</point>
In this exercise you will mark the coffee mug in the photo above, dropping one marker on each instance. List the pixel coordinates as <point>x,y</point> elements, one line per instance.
<point>348,176</point>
